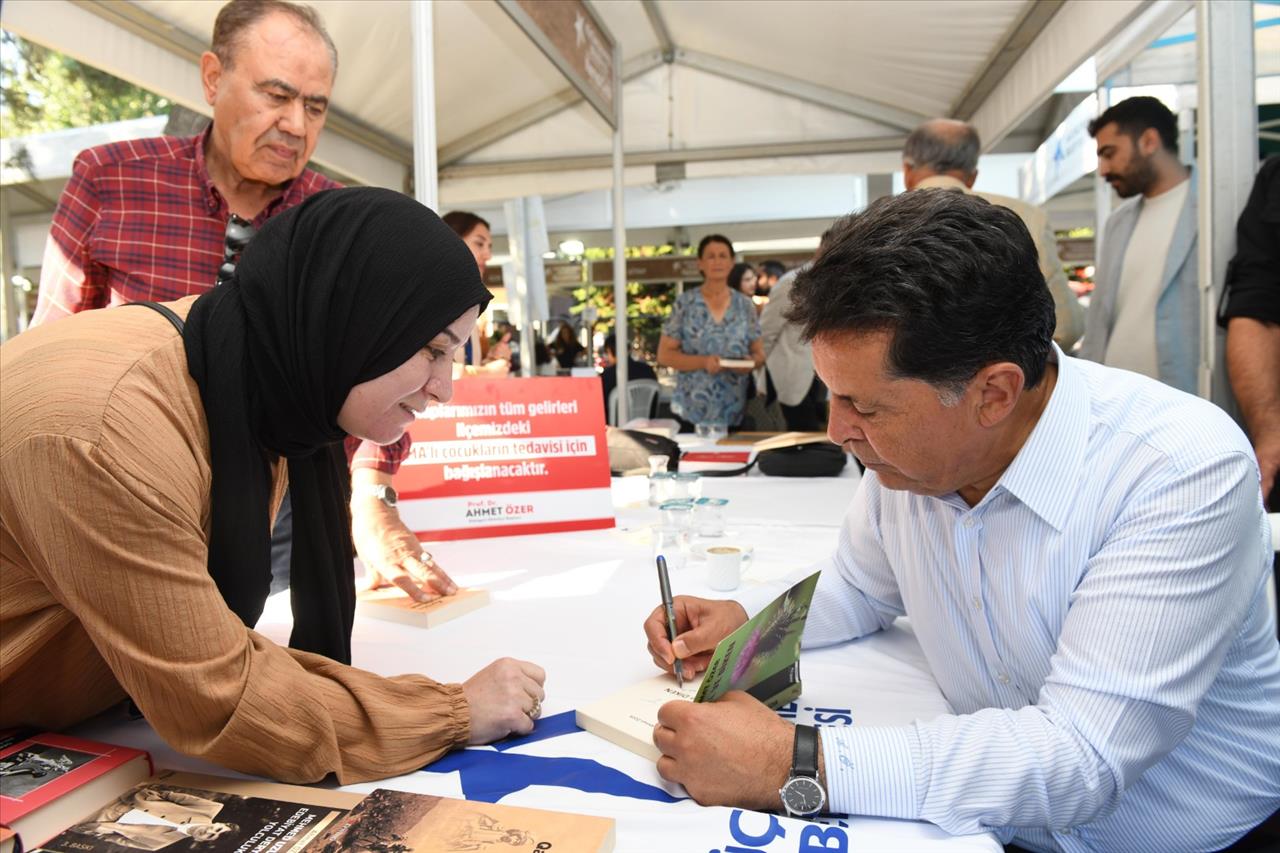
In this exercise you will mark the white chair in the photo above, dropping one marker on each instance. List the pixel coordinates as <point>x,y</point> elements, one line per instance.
<point>642,400</point>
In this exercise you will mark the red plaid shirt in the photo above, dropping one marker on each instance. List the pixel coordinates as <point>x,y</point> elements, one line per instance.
<point>141,220</point>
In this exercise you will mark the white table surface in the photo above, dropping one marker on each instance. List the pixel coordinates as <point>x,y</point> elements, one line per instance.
<point>574,604</point>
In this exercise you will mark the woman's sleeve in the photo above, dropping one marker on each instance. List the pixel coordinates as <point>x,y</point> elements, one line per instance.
<point>126,556</point>
<point>675,320</point>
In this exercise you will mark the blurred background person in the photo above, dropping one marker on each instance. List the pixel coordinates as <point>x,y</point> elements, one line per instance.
<point>474,231</point>
<point>943,154</point>
<point>636,369</point>
<point>770,272</point>
<point>566,347</point>
<point>743,279</point>
<point>1144,314</point>
<point>709,323</point>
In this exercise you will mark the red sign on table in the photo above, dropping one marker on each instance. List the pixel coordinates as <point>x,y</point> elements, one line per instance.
<point>506,457</point>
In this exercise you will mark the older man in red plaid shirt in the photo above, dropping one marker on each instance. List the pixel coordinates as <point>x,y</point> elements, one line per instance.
<point>145,220</point>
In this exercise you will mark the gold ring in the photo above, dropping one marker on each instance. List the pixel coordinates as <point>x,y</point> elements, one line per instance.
<point>536,711</point>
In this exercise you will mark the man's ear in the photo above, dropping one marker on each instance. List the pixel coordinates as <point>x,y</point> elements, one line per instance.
<point>999,387</point>
<point>1150,142</point>
<point>210,75</point>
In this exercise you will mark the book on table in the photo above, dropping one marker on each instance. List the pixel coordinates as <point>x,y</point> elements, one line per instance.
<point>48,781</point>
<point>762,657</point>
<point>391,603</point>
<point>389,821</point>
<point>96,798</point>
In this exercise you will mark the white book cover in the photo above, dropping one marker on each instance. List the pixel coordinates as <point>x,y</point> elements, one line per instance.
<point>627,717</point>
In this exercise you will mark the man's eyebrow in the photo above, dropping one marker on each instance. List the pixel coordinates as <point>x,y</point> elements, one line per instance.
<point>452,337</point>
<point>292,91</point>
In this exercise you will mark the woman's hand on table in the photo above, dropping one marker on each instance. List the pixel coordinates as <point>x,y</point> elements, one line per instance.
<point>504,698</point>
<point>392,554</point>
<point>701,623</point>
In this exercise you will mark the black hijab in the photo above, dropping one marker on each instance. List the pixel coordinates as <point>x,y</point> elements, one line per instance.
<point>339,290</point>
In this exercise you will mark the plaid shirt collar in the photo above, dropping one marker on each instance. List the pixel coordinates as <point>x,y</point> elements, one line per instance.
<point>216,205</point>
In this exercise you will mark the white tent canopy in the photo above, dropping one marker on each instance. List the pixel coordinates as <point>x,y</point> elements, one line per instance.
<point>712,88</point>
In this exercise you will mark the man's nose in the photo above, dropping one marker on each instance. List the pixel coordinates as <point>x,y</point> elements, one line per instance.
<point>293,117</point>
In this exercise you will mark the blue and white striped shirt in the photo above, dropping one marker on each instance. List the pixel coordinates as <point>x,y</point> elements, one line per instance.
<point>1097,621</point>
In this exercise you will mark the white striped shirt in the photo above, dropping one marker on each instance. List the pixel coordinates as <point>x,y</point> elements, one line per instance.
<point>1098,623</point>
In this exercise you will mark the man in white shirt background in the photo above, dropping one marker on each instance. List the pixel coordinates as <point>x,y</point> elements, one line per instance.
<point>1145,308</point>
<point>1082,552</point>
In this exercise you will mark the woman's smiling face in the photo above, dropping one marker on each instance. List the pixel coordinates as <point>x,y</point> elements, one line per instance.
<point>381,409</point>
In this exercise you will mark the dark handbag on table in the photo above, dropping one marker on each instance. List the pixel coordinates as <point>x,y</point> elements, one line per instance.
<point>816,459</point>
<point>793,455</point>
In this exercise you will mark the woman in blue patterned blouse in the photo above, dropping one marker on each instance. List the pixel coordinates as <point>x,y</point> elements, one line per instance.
<point>706,325</point>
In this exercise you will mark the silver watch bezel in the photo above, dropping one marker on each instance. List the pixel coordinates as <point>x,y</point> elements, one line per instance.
<point>795,782</point>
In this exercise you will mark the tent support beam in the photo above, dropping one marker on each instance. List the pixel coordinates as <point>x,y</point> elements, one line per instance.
<point>824,96</point>
<point>1228,159</point>
<point>687,155</point>
<point>1035,17</point>
<point>502,128</point>
<point>660,29</point>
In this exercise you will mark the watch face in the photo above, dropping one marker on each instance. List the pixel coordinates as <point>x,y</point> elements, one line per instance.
<point>387,495</point>
<point>802,795</point>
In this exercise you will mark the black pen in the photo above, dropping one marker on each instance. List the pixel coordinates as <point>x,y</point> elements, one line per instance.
<point>664,582</point>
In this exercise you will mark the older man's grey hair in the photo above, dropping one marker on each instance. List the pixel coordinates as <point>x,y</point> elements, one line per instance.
<point>943,145</point>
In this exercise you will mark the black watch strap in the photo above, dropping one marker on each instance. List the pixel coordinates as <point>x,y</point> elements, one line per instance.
<point>804,759</point>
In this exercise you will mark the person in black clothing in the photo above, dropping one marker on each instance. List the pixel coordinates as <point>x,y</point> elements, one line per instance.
<point>609,378</point>
<point>1251,315</point>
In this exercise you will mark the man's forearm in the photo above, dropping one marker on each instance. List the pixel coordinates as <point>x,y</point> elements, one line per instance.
<point>1253,365</point>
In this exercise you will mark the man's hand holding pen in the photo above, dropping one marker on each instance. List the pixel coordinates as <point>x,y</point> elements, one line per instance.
<point>700,624</point>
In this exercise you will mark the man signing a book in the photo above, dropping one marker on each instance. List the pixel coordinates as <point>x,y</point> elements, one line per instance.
<point>1082,552</point>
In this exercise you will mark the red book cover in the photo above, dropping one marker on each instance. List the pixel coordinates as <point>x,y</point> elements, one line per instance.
<point>51,765</point>
<point>738,456</point>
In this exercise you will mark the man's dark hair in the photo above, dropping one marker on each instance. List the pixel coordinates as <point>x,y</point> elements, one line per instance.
<point>239,15</point>
<point>943,147</point>
<point>611,343</point>
<point>773,268</point>
<point>714,238</point>
<point>953,279</point>
<point>463,222</point>
<point>1133,116</point>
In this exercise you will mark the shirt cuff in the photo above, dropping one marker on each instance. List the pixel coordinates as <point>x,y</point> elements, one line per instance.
<point>385,458</point>
<point>873,770</point>
<point>756,598</point>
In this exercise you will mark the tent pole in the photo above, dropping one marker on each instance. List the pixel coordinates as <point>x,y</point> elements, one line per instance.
<point>425,178</point>
<point>622,349</point>
<point>1228,158</point>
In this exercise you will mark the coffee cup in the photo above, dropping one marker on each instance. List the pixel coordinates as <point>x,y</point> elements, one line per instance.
<point>724,567</point>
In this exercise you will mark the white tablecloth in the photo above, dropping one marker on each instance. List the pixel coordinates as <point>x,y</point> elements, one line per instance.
<point>574,603</point>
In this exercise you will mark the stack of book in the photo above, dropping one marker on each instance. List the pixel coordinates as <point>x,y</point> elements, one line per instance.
<point>66,795</point>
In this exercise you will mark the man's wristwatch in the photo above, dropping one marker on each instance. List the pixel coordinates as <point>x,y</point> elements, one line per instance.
<point>802,795</point>
<point>381,491</point>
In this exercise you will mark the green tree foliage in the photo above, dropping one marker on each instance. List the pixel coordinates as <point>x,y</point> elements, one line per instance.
<point>648,305</point>
<point>43,90</point>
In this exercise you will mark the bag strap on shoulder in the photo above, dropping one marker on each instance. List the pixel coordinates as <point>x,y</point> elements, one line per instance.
<point>163,310</point>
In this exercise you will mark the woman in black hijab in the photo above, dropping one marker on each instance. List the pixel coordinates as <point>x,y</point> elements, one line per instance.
<point>140,485</point>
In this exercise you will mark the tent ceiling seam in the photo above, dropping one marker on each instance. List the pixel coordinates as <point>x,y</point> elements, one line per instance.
<point>1034,18</point>
<point>895,118</point>
<point>686,155</point>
